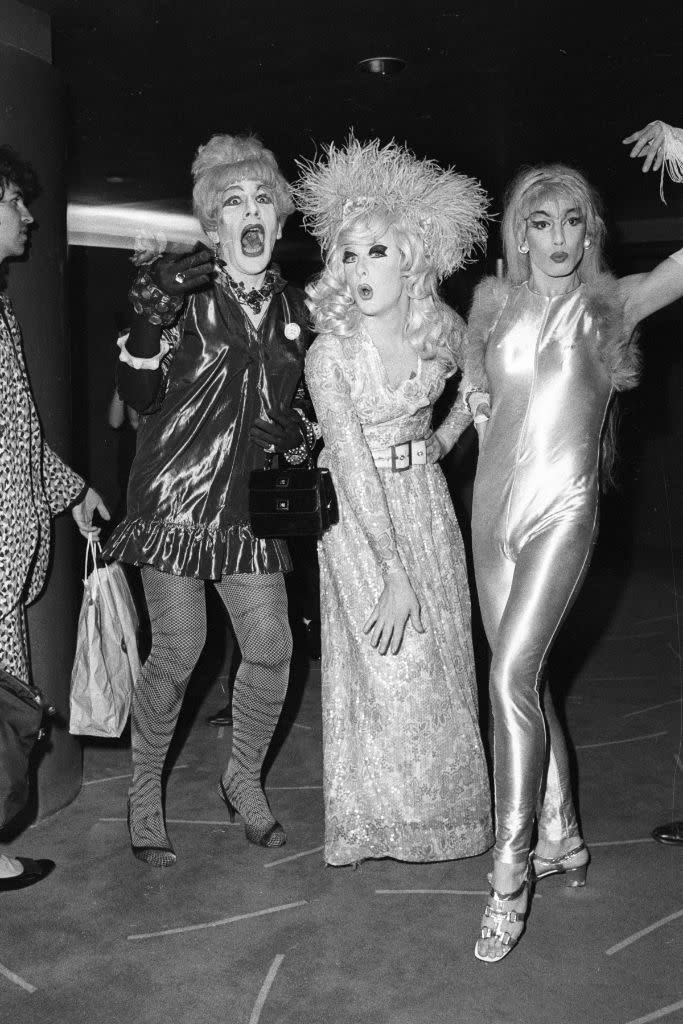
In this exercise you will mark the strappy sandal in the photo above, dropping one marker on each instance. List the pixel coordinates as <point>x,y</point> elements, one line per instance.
<point>542,867</point>
<point>500,916</point>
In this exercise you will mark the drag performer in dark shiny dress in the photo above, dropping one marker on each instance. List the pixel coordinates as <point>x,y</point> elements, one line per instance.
<point>214,363</point>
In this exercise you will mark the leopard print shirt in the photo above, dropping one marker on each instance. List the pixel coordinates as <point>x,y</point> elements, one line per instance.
<point>34,482</point>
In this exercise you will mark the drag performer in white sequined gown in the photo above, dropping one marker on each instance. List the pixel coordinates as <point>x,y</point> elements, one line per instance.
<point>404,770</point>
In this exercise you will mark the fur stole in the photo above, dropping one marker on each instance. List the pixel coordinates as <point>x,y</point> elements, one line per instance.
<point>617,351</point>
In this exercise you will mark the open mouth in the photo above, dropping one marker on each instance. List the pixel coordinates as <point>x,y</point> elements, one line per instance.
<point>253,240</point>
<point>364,291</point>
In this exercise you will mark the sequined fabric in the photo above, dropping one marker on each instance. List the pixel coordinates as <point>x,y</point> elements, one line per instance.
<point>404,771</point>
<point>188,488</point>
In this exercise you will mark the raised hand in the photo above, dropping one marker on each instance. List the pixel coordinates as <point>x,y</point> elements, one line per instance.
<point>178,275</point>
<point>648,145</point>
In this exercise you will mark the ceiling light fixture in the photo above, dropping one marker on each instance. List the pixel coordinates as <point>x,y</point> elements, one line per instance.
<point>382,65</point>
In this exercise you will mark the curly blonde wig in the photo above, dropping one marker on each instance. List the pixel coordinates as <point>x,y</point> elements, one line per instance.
<point>359,193</point>
<point>530,187</point>
<point>229,158</point>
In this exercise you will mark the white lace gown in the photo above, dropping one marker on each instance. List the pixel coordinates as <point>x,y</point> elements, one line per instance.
<point>404,769</point>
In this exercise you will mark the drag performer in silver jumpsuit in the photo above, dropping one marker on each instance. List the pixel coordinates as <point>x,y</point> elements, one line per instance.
<point>549,347</point>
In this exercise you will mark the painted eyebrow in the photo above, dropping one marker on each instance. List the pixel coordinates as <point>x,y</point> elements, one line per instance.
<point>544,213</point>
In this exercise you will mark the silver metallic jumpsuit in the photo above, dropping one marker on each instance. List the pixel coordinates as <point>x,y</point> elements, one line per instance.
<point>551,366</point>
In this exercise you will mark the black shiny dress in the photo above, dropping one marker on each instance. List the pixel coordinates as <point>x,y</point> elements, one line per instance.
<point>188,487</point>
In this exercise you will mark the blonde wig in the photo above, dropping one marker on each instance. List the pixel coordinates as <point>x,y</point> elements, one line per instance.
<point>527,191</point>
<point>357,194</point>
<point>226,159</point>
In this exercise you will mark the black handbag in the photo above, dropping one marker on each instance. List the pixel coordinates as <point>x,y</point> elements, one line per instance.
<point>21,717</point>
<point>291,501</point>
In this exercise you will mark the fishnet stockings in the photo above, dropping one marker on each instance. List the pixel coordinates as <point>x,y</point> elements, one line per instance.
<point>257,605</point>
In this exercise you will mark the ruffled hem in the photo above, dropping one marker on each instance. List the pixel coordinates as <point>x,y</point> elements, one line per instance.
<point>202,552</point>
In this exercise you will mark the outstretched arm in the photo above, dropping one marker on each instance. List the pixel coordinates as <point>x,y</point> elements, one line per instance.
<point>643,294</point>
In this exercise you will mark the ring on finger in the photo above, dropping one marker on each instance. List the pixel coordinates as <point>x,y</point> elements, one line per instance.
<point>179,278</point>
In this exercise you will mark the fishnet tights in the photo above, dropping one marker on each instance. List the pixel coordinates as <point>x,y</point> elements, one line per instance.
<point>257,605</point>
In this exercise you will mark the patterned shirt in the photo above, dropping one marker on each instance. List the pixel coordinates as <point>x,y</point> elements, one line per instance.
<point>34,482</point>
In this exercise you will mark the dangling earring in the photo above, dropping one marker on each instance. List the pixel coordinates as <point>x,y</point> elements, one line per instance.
<point>523,248</point>
<point>586,243</point>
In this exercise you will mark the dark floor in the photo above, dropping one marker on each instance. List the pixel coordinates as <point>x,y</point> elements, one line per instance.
<point>238,935</point>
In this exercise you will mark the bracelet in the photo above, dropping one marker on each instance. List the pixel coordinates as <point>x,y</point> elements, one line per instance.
<point>150,301</point>
<point>312,432</point>
<point>141,362</point>
<point>295,456</point>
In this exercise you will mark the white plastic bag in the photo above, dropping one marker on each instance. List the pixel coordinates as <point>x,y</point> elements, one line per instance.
<point>106,664</point>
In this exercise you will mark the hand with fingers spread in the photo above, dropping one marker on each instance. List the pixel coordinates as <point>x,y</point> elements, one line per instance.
<point>397,604</point>
<point>648,146</point>
<point>281,432</point>
<point>180,275</point>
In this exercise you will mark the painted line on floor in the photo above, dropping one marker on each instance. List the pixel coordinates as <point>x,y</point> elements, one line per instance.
<point>645,931</point>
<point>128,775</point>
<point>217,924</point>
<point>658,1014</point>
<point>294,856</point>
<point>297,725</point>
<point>188,821</point>
<point>221,732</point>
<point>614,743</point>
<point>16,980</point>
<point>265,989</point>
<point>272,788</point>
<point>620,842</point>
<point>653,707</point>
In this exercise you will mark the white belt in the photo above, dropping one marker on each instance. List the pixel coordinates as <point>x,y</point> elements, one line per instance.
<point>401,456</point>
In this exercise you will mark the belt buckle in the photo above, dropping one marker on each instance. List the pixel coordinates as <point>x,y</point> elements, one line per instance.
<point>401,457</point>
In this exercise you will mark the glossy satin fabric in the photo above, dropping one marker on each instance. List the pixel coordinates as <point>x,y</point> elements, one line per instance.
<point>188,488</point>
<point>404,768</point>
<point>534,521</point>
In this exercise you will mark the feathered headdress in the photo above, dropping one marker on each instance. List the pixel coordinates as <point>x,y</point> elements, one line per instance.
<point>446,209</point>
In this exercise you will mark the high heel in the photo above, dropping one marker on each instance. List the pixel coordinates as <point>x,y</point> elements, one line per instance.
<point>499,915</point>
<point>542,867</point>
<point>273,836</point>
<point>162,856</point>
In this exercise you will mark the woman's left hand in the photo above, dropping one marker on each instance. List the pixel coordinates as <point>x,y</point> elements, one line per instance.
<point>278,434</point>
<point>84,511</point>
